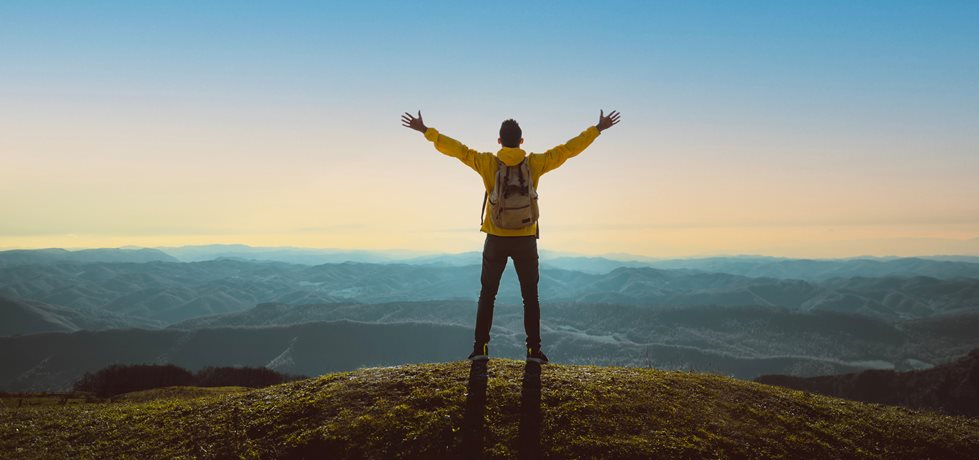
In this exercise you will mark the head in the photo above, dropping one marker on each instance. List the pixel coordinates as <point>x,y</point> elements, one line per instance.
<point>510,134</point>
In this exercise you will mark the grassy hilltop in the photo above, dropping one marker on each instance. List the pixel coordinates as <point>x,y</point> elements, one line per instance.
<point>425,411</point>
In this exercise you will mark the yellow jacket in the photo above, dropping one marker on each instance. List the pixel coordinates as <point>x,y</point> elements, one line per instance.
<point>484,163</point>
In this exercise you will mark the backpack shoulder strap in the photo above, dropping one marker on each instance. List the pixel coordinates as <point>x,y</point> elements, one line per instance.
<point>496,179</point>
<point>482,211</point>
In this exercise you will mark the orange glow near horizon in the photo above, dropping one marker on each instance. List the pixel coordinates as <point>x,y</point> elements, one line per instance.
<point>660,204</point>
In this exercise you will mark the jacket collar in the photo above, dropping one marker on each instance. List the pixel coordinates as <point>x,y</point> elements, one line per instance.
<point>511,156</point>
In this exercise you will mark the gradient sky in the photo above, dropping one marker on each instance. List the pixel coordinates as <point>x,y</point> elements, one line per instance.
<point>807,129</point>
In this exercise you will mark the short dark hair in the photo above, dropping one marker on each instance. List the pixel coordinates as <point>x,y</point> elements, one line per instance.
<point>510,133</point>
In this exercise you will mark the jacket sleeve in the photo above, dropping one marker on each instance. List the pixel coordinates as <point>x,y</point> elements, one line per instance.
<point>453,148</point>
<point>558,155</point>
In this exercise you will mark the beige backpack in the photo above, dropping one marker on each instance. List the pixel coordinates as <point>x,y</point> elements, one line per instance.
<point>513,199</point>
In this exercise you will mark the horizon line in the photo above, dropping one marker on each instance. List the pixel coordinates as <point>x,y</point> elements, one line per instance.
<point>619,256</point>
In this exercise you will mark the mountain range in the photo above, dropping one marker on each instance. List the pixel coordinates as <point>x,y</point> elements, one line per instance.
<point>744,342</point>
<point>17,257</point>
<point>949,266</point>
<point>22,316</point>
<point>820,321</point>
<point>171,292</point>
<point>53,361</point>
<point>951,388</point>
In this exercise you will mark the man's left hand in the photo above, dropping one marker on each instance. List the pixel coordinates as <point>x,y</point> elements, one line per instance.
<point>409,121</point>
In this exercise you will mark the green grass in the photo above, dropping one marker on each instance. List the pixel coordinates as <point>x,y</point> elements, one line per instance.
<point>417,411</point>
<point>8,400</point>
<point>178,393</point>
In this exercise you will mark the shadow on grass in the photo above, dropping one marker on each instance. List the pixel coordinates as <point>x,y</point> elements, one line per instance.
<point>473,428</point>
<point>473,419</point>
<point>530,418</point>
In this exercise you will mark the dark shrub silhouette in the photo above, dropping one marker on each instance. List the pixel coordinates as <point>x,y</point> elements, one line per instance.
<point>119,379</point>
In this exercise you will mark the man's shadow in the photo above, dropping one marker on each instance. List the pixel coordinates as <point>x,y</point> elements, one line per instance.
<point>473,425</point>
<point>473,420</point>
<point>530,417</point>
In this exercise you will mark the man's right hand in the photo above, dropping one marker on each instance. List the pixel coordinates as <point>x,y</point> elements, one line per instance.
<point>409,121</point>
<point>604,122</point>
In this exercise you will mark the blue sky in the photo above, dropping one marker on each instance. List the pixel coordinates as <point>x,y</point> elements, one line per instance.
<point>876,101</point>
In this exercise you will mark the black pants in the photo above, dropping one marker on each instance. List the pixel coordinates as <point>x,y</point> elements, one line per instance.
<point>523,251</point>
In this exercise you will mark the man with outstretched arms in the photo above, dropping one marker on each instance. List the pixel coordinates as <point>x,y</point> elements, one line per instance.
<point>510,177</point>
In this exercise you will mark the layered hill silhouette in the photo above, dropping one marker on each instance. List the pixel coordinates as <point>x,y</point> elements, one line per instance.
<point>54,361</point>
<point>741,342</point>
<point>744,265</point>
<point>18,257</point>
<point>951,388</point>
<point>744,342</point>
<point>22,316</point>
<point>677,318</point>
<point>826,269</point>
<point>745,331</point>
<point>509,409</point>
<point>171,292</point>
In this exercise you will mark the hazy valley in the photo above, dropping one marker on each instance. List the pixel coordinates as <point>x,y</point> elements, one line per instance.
<point>68,312</point>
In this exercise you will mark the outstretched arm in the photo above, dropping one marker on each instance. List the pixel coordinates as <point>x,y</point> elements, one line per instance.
<point>446,144</point>
<point>558,155</point>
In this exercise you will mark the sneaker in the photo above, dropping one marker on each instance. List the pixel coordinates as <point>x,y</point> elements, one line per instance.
<point>480,352</point>
<point>537,356</point>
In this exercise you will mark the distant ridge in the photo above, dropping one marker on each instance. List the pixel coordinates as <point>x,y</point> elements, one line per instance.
<point>22,316</point>
<point>173,292</point>
<point>948,266</point>
<point>745,265</point>
<point>952,388</point>
<point>54,361</point>
<point>640,315</point>
<point>56,255</point>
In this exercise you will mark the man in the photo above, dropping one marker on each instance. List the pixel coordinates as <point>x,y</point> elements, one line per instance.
<point>519,244</point>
